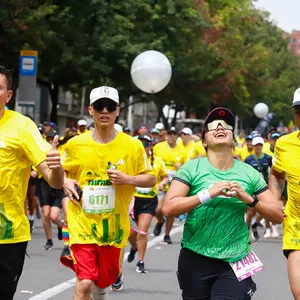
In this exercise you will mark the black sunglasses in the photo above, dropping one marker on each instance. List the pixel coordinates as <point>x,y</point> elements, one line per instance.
<point>110,105</point>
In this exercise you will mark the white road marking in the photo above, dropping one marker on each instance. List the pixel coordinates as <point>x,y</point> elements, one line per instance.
<point>71,283</point>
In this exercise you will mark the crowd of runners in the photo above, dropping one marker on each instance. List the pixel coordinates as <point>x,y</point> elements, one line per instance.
<point>103,185</point>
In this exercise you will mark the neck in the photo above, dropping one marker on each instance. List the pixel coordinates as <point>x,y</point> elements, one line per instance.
<point>172,145</point>
<point>103,135</point>
<point>221,159</point>
<point>2,110</point>
<point>258,155</point>
<point>185,143</point>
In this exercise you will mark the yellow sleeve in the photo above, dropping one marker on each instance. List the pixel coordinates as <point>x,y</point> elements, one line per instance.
<point>162,170</point>
<point>277,158</point>
<point>142,164</point>
<point>33,144</point>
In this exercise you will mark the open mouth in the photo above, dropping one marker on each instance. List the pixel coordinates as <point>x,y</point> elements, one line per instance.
<point>220,134</point>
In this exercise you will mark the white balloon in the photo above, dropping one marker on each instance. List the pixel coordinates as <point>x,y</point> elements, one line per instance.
<point>261,110</point>
<point>151,71</point>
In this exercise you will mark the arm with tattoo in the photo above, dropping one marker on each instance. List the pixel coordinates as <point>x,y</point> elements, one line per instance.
<point>276,183</point>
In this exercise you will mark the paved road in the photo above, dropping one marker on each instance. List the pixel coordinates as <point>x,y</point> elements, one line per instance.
<point>47,279</point>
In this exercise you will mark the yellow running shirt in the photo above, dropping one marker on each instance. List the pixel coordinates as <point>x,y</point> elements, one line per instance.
<point>102,216</point>
<point>160,172</point>
<point>170,156</point>
<point>193,150</point>
<point>287,159</point>
<point>21,145</point>
<point>244,153</point>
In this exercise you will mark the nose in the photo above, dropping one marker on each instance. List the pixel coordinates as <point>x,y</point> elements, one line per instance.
<point>220,127</point>
<point>104,110</point>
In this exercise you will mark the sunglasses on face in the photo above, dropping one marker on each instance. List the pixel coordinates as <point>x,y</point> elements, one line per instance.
<point>146,144</point>
<point>214,125</point>
<point>110,105</point>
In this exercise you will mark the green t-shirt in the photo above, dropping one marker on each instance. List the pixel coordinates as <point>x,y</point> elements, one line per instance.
<point>217,229</point>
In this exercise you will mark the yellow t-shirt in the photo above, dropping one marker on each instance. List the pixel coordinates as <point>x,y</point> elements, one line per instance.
<point>193,149</point>
<point>170,156</point>
<point>160,172</point>
<point>244,153</point>
<point>267,149</point>
<point>21,146</point>
<point>287,159</point>
<point>79,132</point>
<point>240,142</point>
<point>87,162</point>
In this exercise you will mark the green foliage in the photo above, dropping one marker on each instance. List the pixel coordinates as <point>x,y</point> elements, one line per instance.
<point>222,52</point>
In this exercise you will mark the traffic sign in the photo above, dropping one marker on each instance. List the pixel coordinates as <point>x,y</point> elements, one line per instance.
<point>28,62</point>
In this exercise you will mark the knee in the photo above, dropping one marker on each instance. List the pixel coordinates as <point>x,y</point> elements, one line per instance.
<point>99,294</point>
<point>84,287</point>
<point>46,217</point>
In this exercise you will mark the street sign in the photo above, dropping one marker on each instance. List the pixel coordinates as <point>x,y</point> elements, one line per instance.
<point>28,62</point>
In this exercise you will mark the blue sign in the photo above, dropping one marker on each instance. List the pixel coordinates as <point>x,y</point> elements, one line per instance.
<point>28,65</point>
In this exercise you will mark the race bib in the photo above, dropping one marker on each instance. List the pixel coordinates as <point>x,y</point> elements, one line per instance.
<point>247,266</point>
<point>98,199</point>
<point>171,174</point>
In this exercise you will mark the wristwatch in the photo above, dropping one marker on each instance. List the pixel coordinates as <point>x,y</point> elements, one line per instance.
<point>255,200</point>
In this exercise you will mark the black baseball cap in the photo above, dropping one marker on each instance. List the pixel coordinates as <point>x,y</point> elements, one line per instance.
<point>219,113</point>
<point>172,129</point>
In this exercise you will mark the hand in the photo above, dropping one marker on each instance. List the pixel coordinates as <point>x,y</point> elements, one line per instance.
<point>117,177</point>
<point>160,186</point>
<point>239,193</point>
<point>53,156</point>
<point>220,188</point>
<point>33,174</point>
<point>69,188</point>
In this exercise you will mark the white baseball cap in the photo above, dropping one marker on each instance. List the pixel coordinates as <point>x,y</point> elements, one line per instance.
<point>187,130</point>
<point>257,140</point>
<point>159,126</point>
<point>104,92</point>
<point>296,100</point>
<point>118,127</point>
<point>82,122</point>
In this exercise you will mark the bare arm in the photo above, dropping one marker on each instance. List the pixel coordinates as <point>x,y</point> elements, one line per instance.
<point>141,180</point>
<point>55,177</point>
<point>276,183</point>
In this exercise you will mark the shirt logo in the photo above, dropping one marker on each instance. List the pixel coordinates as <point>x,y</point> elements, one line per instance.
<point>120,162</point>
<point>2,144</point>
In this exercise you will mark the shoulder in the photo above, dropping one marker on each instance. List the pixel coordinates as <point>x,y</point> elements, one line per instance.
<point>18,118</point>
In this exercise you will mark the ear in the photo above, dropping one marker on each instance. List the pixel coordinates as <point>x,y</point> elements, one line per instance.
<point>9,95</point>
<point>90,109</point>
<point>118,111</point>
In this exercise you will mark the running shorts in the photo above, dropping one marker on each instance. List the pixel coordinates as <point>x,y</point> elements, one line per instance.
<point>144,206</point>
<point>100,264</point>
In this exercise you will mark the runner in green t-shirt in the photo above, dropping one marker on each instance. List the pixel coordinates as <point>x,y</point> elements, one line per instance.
<point>215,192</point>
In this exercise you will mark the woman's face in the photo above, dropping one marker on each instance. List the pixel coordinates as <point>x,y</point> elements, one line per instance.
<point>218,137</point>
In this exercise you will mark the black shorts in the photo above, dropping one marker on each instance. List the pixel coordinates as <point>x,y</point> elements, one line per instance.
<point>12,258</point>
<point>286,253</point>
<point>144,206</point>
<point>32,181</point>
<point>50,196</point>
<point>204,278</point>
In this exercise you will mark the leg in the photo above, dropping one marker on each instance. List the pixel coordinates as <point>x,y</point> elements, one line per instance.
<point>159,214</point>
<point>46,209</point>
<point>169,224</point>
<point>83,289</point>
<point>99,294</point>
<point>12,258</point>
<point>294,273</point>
<point>144,222</point>
<point>55,216</point>
<point>227,287</point>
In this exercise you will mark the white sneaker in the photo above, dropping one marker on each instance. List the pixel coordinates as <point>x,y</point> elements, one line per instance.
<point>267,235</point>
<point>275,234</point>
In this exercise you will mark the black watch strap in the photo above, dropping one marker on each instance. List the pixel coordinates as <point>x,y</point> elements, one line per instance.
<point>255,200</point>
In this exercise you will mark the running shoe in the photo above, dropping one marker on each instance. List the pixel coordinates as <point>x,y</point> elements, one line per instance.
<point>48,245</point>
<point>118,285</point>
<point>66,251</point>
<point>167,239</point>
<point>32,228</point>
<point>140,267</point>
<point>59,233</point>
<point>38,214</point>
<point>131,255</point>
<point>157,228</point>
<point>267,234</point>
<point>255,232</point>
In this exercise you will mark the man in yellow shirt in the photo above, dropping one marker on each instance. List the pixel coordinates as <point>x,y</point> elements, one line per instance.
<point>247,149</point>
<point>106,165</point>
<point>286,162</point>
<point>174,157</point>
<point>21,145</point>
<point>81,126</point>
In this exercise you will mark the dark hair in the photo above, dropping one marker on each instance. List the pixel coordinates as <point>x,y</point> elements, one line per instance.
<point>7,74</point>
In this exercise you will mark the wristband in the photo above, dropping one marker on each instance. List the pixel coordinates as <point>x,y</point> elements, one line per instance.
<point>203,196</point>
<point>255,200</point>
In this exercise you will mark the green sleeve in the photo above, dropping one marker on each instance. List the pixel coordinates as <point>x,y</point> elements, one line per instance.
<point>184,174</point>
<point>258,183</point>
